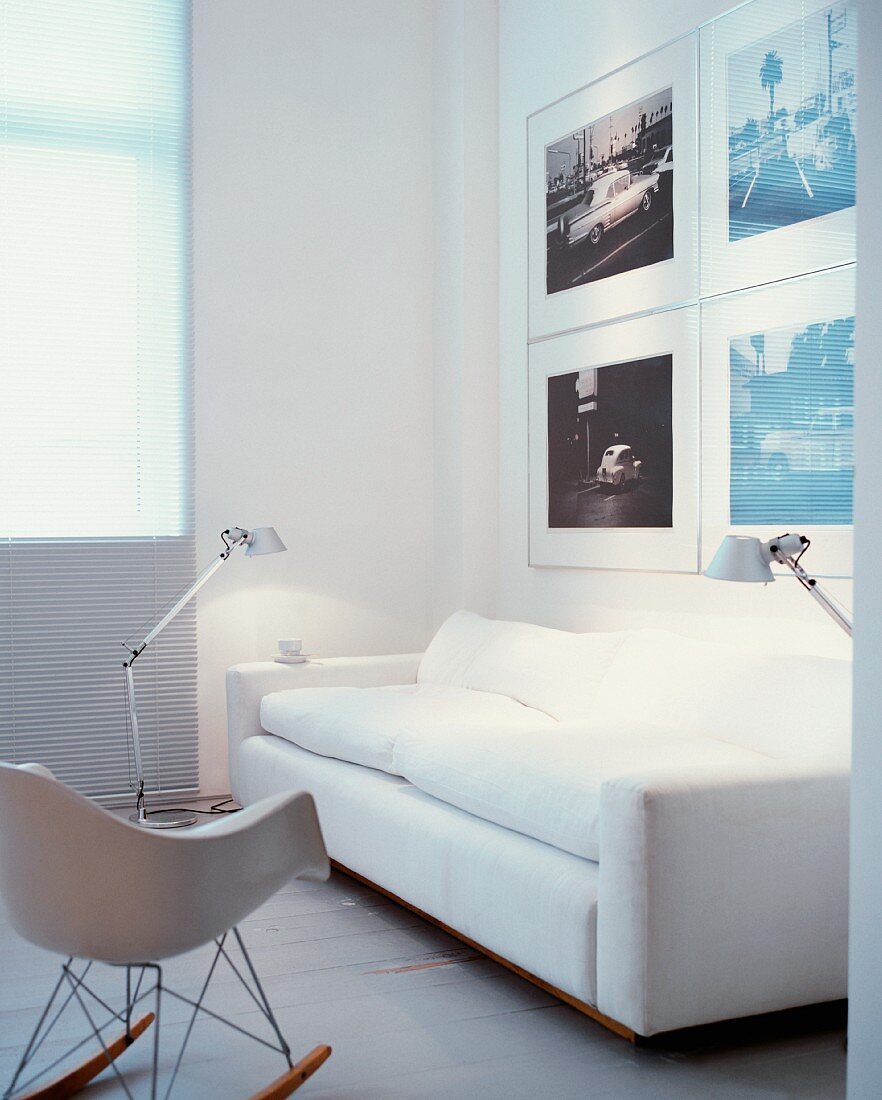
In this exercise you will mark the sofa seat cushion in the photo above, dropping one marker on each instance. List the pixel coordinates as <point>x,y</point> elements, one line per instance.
<point>547,783</point>
<point>362,725</point>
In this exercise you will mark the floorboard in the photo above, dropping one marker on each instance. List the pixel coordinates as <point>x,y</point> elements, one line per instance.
<point>410,1013</point>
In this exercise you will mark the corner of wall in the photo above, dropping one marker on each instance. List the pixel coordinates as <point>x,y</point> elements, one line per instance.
<point>465,298</point>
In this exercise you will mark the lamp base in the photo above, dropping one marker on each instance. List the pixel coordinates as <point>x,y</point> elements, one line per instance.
<point>164,819</point>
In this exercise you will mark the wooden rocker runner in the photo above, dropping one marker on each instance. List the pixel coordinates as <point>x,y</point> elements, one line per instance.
<point>79,881</point>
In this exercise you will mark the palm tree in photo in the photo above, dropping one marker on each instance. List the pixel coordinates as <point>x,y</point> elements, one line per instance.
<point>771,74</point>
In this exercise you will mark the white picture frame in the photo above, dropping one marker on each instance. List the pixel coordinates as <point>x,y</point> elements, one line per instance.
<point>673,548</point>
<point>658,284</point>
<point>779,308</point>
<point>803,246</point>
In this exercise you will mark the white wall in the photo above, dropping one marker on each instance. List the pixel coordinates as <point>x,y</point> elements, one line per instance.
<point>865,976</point>
<point>466,321</point>
<point>313,314</point>
<point>320,309</point>
<point>547,50</point>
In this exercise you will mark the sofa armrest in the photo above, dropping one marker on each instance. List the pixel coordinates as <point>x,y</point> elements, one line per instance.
<point>722,892</point>
<point>248,683</point>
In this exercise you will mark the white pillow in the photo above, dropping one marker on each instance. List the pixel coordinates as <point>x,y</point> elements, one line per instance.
<point>780,705</point>
<point>554,671</point>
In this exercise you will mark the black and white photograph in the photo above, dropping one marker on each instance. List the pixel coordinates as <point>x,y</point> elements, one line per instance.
<point>610,446</point>
<point>609,194</point>
<point>612,231</point>
<point>614,445</point>
<point>791,123</point>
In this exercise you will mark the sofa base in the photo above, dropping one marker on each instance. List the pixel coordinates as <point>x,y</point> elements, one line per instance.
<point>805,1019</point>
<point>573,1002</point>
<point>820,1018</point>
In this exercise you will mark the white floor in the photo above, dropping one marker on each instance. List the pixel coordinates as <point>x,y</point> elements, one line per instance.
<point>410,1012</point>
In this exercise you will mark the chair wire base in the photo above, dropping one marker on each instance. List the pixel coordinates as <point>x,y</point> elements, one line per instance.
<point>135,992</point>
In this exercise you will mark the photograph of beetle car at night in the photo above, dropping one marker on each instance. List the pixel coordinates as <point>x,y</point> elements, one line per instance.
<point>610,446</point>
<point>609,194</point>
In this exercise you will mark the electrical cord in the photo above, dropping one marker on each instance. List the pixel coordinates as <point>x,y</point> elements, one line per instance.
<point>213,811</point>
<point>805,547</point>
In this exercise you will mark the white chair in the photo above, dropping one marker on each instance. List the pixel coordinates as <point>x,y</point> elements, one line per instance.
<point>89,885</point>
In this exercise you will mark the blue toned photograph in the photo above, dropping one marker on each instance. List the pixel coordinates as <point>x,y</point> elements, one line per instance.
<point>791,124</point>
<point>792,425</point>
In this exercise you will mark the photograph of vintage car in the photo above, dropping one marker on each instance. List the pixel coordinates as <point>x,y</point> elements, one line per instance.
<point>791,123</point>
<point>609,194</point>
<point>607,202</point>
<point>791,419</point>
<point>610,446</point>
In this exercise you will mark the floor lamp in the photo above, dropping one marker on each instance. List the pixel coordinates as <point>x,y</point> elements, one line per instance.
<point>745,558</point>
<point>262,540</point>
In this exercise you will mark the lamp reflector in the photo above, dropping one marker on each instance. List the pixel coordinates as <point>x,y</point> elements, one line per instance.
<point>264,540</point>
<point>741,558</point>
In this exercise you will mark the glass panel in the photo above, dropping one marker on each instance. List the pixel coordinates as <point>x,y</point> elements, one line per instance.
<point>792,432</point>
<point>778,150</point>
<point>791,114</point>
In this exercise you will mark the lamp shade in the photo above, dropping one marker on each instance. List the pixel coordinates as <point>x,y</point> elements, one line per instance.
<point>264,540</point>
<point>740,558</point>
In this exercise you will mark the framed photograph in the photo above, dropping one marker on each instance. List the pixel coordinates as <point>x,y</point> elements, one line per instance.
<point>613,185</point>
<point>778,416</point>
<point>614,446</point>
<point>779,98</point>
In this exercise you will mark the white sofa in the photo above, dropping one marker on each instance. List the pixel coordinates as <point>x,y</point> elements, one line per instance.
<point>654,827</point>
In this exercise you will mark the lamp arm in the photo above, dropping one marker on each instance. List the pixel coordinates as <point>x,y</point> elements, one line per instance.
<point>829,604</point>
<point>238,537</point>
<point>185,598</point>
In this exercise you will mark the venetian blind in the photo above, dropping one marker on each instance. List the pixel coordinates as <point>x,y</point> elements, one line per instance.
<point>96,495</point>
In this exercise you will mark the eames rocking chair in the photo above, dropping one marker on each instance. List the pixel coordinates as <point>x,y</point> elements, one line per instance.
<point>81,882</point>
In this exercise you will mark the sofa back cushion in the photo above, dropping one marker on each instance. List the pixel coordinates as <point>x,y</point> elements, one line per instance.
<point>554,671</point>
<point>782,706</point>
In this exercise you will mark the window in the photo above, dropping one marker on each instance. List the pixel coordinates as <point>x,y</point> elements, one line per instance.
<point>96,497</point>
